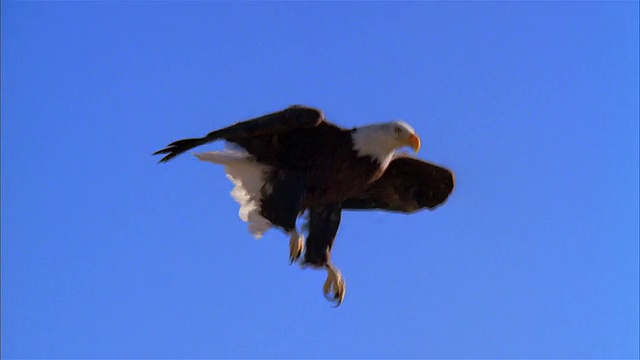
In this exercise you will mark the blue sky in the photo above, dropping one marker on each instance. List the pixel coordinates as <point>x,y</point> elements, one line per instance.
<point>534,106</point>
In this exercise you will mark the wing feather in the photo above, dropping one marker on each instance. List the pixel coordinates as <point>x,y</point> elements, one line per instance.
<point>291,118</point>
<point>407,185</point>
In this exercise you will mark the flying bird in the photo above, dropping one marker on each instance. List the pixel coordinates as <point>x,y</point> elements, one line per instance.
<point>294,161</point>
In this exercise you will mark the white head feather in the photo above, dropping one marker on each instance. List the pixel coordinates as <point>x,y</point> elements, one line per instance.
<point>380,141</point>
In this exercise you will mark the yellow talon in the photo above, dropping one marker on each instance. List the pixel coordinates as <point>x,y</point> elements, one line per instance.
<point>334,287</point>
<point>296,245</point>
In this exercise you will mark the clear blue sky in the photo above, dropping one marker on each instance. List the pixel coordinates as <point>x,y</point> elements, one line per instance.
<point>534,106</point>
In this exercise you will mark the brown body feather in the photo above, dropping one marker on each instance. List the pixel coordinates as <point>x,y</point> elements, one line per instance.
<point>313,161</point>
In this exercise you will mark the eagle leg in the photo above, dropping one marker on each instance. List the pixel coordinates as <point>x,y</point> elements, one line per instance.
<point>334,287</point>
<point>296,244</point>
<point>323,225</point>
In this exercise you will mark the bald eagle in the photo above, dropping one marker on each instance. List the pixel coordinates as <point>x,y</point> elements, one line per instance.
<point>294,161</point>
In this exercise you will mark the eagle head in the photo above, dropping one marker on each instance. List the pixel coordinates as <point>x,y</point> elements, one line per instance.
<point>381,140</point>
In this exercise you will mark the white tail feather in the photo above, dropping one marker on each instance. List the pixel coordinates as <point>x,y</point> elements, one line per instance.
<point>248,177</point>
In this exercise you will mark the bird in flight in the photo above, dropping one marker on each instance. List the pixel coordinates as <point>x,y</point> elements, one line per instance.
<point>294,161</point>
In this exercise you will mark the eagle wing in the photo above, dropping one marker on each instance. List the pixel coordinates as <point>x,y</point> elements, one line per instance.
<point>291,118</point>
<point>407,185</point>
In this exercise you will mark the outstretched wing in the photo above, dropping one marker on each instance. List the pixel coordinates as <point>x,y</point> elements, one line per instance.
<point>294,117</point>
<point>408,185</point>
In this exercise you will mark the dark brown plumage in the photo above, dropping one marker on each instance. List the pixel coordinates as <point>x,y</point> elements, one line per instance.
<point>407,185</point>
<point>311,160</point>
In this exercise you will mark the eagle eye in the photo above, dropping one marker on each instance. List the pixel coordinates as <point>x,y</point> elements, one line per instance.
<point>397,130</point>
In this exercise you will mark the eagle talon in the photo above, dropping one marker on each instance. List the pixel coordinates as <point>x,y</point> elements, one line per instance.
<point>296,244</point>
<point>334,287</point>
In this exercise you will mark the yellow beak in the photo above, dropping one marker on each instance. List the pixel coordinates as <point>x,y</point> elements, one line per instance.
<point>414,142</point>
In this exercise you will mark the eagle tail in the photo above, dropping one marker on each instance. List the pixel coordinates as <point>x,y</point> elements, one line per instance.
<point>248,178</point>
